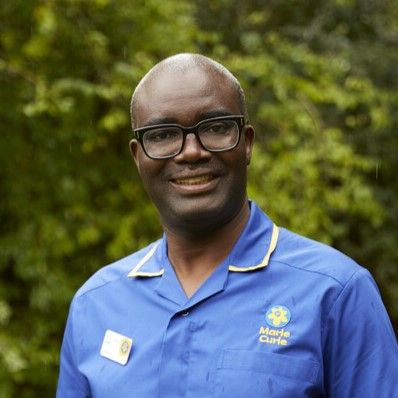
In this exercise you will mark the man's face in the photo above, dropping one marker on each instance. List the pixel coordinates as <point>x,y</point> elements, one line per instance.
<point>197,188</point>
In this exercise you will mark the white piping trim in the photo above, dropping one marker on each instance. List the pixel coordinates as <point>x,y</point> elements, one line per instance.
<point>264,263</point>
<point>135,271</point>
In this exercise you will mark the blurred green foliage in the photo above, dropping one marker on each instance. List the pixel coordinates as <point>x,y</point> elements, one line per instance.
<point>321,84</point>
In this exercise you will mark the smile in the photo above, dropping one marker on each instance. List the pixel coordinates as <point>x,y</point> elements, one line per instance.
<point>199,180</point>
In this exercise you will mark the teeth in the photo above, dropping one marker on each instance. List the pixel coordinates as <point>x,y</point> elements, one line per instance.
<point>193,180</point>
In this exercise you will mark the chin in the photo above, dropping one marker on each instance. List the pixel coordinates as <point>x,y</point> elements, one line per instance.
<point>200,216</point>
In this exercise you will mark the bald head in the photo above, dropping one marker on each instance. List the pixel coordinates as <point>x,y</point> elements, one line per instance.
<point>182,64</point>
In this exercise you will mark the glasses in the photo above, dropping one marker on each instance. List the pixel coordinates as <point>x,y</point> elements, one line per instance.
<point>164,141</point>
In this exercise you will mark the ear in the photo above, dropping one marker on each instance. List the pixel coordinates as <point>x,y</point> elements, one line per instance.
<point>248,134</point>
<point>133,144</point>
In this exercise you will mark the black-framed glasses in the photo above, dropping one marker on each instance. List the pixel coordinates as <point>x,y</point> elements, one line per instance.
<point>218,134</point>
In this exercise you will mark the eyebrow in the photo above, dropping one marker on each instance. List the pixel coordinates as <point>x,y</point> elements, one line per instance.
<point>215,113</point>
<point>161,120</point>
<point>202,116</point>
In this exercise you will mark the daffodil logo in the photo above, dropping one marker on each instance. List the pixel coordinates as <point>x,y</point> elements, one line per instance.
<point>278,316</point>
<point>125,347</point>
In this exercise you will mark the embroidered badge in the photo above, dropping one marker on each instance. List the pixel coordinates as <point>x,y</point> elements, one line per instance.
<point>278,316</point>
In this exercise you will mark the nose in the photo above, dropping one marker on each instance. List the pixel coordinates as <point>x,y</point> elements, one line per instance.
<point>192,151</point>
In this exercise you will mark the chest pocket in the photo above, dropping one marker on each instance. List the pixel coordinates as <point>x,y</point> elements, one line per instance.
<point>244,374</point>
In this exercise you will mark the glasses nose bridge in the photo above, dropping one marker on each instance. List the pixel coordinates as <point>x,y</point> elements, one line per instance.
<point>191,130</point>
<point>197,143</point>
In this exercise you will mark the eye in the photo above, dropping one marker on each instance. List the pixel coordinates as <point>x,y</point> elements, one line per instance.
<point>218,128</point>
<point>162,135</point>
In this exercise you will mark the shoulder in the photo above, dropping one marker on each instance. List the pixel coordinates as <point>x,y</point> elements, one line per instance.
<point>309,256</point>
<point>114,272</point>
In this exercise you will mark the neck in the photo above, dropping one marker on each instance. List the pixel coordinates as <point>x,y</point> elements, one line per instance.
<point>194,256</point>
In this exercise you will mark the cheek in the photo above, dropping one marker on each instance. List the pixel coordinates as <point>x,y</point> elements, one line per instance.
<point>152,175</point>
<point>147,168</point>
<point>239,160</point>
<point>149,176</point>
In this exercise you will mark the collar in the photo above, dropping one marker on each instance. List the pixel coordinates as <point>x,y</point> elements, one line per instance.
<point>251,252</point>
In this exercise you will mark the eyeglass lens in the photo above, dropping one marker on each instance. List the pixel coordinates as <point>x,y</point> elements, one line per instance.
<point>167,141</point>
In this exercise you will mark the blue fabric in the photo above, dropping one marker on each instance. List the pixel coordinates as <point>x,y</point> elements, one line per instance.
<point>309,324</point>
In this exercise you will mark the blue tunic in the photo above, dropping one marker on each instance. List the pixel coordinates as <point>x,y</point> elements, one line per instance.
<point>282,317</point>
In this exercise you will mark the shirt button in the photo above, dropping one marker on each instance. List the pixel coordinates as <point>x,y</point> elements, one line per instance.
<point>185,313</point>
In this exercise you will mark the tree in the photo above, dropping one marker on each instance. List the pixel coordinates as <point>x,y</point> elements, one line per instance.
<point>324,108</point>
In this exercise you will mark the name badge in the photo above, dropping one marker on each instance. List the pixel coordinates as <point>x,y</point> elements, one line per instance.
<point>116,347</point>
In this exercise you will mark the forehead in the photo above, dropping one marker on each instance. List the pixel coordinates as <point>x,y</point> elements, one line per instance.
<point>185,97</point>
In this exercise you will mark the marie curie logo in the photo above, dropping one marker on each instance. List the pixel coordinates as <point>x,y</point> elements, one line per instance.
<point>277,316</point>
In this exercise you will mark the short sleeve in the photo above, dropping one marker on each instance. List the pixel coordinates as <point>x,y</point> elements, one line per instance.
<point>71,383</point>
<point>360,352</point>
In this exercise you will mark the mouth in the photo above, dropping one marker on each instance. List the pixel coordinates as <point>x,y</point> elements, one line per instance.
<point>195,185</point>
<point>197,180</point>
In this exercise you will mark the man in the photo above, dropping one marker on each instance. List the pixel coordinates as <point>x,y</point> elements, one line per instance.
<point>226,304</point>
